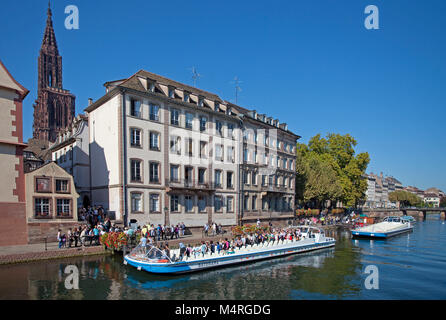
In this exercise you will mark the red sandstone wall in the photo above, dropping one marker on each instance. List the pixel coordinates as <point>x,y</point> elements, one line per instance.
<point>37,232</point>
<point>13,230</point>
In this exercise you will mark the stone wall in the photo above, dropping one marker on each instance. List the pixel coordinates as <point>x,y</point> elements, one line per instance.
<point>37,232</point>
<point>13,224</point>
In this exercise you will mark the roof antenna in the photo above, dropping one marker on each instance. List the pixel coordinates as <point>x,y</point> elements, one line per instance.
<point>195,76</point>
<point>237,87</point>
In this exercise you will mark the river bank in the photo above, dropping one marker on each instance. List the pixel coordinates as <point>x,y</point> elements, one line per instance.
<point>50,251</point>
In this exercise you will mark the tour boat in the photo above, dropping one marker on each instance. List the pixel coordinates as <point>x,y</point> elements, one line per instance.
<point>391,226</point>
<point>151,259</point>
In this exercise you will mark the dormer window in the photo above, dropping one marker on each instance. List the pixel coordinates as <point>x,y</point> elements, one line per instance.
<point>216,106</point>
<point>152,86</point>
<point>171,92</point>
<point>200,101</point>
<point>186,96</point>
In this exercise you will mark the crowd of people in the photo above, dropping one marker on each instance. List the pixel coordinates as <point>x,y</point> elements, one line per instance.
<point>163,232</point>
<point>228,246</point>
<point>212,229</point>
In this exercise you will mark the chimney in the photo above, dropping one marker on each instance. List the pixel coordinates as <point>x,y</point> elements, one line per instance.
<point>90,101</point>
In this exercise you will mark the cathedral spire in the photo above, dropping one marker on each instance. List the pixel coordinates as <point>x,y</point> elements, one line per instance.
<point>54,108</point>
<point>49,44</point>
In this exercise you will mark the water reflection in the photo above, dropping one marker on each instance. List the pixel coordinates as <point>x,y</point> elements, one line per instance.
<point>330,273</point>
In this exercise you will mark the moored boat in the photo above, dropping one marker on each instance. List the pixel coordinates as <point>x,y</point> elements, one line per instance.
<point>391,226</point>
<point>151,259</point>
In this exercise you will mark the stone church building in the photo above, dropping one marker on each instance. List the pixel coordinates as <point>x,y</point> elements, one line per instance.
<point>54,108</point>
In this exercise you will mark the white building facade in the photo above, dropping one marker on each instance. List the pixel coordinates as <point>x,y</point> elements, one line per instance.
<point>162,152</point>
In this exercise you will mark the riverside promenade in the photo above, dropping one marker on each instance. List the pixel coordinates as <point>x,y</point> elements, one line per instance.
<point>40,251</point>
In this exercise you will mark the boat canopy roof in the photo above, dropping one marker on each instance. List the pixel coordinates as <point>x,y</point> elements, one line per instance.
<point>149,252</point>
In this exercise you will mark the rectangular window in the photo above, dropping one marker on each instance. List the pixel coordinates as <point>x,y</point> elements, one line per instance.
<point>154,112</point>
<point>154,172</point>
<point>201,176</point>
<point>136,202</point>
<point>62,186</point>
<point>175,144</point>
<point>254,203</point>
<point>254,178</point>
<point>154,203</point>
<point>230,154</point>
<point>203,151</point>
<point>42,207</point>
<point>63,207</point>
<point>201,204</point>
<point>189,120</point>
<point>230,204</point>
<point>230,130</point>
<point>43,185</point>
<point>189,176</point>
<point>245,203</point>
<point>219,152</point>
<point>135,137</point>
<point>186,96</point>
<point>229,180</point>
<point>264,204</point>
<point>135,170</point>
<point>263,180</point>
<point>174,203</point>
<point>189,203</point>
<point>189,147</point>
<point>218,203</point>
<point>219,127</point>
<point>245,155</point>
<point>203,122</point>
<point>154,141</point>
<point>174,117</point>
<point>217,178</point>
<point>174,173</point>
<point>135,108</point>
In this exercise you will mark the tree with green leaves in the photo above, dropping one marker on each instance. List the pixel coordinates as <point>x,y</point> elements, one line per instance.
<point>405,198</point>
<point>327,169</point>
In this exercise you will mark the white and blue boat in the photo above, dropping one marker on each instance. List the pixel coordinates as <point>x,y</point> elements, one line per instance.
<point>389,227</point>
<point>151,259</point>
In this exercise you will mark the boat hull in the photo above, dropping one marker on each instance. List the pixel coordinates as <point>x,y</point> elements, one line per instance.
<point>221,261</point>
<point>379,235</point>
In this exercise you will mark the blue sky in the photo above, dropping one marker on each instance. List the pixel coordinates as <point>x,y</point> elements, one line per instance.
<point>310,63</point>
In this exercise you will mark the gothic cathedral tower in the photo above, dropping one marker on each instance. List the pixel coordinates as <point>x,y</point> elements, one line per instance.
<point>54,108</point>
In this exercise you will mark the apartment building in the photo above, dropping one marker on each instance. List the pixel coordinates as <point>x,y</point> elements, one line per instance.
<point>164,152</point>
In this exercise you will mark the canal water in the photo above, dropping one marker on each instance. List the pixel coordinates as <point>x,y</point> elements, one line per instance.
<point>410,266</point>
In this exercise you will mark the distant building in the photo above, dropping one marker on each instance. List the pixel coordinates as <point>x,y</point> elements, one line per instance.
<point>71,152</point>
<point>55,107</point>
<point>378,190</point>
<point>51,202</point>
<point>432,199</point>
<point>12,187</point>
<point>36,154</point>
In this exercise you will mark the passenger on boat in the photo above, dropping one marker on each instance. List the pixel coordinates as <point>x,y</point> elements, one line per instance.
<point>203,248</point>
<point>182,250</point>
<point>212,247</point>
<point>166,250</point>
